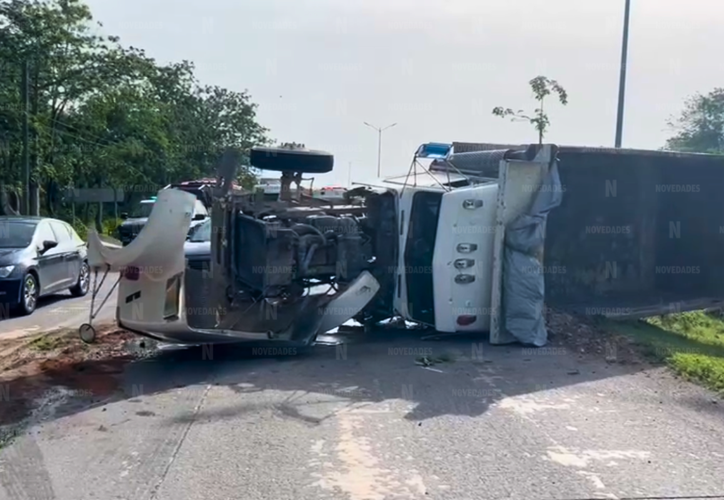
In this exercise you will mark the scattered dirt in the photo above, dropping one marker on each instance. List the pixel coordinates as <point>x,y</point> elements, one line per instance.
<point>32,367</point>
<point>587,337</point>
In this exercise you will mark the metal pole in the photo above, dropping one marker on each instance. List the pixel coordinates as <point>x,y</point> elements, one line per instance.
<point>379,152</point>
<point>24,91</point>
<point>379,144</point>
<point>622,81</point>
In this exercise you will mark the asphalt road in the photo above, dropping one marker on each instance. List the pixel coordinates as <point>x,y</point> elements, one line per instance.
<point>59,311</point>
<point>362,421</point>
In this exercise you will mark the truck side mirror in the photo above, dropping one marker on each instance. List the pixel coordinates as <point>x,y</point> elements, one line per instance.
<point>124,215</point>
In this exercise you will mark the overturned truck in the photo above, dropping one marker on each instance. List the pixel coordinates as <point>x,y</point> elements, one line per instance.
<point>458,243</point>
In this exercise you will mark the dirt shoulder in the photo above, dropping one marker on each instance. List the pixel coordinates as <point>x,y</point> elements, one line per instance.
<point>31,368</point>
<point>588,337</point>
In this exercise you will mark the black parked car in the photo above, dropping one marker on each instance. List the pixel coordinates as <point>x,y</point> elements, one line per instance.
<point>40,256</point>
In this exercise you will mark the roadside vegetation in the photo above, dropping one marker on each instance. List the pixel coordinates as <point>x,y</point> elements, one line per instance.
<point>103,114</point>
<point>691,343</point>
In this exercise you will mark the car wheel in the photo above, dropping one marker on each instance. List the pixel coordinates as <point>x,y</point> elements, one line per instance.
<point>81,287</point>
<point>29,295</point>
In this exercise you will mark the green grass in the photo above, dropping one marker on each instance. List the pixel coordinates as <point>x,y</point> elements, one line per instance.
<point>45,343</point>
<point>691,343</point>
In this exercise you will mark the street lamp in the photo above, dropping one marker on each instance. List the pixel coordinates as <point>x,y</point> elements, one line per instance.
<point>379,142</point>
<point>622,80</point>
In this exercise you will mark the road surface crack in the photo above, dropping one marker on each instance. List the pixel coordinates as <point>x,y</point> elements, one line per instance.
<point>192,420</point>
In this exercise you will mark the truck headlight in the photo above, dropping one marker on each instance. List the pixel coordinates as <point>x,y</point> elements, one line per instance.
<point>5,271</point>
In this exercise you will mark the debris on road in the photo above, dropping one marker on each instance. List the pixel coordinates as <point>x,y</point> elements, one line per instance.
<point>43,371</point>
<point>586,336</point>
<point>426,361</point>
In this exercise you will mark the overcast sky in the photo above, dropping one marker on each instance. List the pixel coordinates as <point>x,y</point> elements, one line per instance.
<point>319,68</point>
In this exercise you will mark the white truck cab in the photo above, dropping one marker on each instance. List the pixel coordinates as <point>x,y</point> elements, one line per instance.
<point>450,229</point>
<point>445,241</point>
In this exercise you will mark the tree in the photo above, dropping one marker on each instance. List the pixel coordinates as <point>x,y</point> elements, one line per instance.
<point>292,145</point>
<point>542,87</point>
<point>103,114</point>
<point>700,126</point>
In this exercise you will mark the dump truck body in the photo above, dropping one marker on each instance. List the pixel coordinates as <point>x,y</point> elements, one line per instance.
<point>638,233</point>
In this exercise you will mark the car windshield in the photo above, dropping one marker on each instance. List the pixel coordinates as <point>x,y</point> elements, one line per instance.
<point>143,210</point>
<point>202,232</point>
<point>16,234</point>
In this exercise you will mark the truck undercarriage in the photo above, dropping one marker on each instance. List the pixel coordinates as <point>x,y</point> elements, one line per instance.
<point>278,265</point>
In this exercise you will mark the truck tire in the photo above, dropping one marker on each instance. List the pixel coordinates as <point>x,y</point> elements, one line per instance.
<point>294,160</point>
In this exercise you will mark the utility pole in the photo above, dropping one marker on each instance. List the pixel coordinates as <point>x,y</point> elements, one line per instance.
<point>349,176</point>
<point>622,80</point>
<point>26,137</point>
<point>379,144</point>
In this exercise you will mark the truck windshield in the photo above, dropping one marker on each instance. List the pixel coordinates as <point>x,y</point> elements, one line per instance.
<point>16,234</point>
<point>143,210</point>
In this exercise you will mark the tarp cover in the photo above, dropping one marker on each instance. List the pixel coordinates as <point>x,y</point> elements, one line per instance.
<point>523,280</point>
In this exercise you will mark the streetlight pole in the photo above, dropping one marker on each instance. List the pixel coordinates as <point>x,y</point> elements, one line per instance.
<point>622,80</point>
<point>379,143</point>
